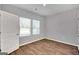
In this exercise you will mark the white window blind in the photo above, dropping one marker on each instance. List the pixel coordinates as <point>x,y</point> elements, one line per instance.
<point>35,27</point>
<point>29,27</point>
<point>25,26</point>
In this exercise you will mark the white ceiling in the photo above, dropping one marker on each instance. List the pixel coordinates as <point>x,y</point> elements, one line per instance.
<point>49,9</point>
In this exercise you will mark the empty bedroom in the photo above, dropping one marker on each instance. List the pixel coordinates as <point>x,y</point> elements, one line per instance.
<point>39,29</point>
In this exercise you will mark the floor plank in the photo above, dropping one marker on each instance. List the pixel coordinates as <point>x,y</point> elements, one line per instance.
<point>46,47</point>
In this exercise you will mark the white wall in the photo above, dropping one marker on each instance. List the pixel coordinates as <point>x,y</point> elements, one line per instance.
<point>27,14</point>
<point>63,27</point>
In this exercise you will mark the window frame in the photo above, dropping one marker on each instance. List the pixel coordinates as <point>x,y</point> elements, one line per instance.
<point>31,27</point>
<point>27,27</point>
<point>36,28</point>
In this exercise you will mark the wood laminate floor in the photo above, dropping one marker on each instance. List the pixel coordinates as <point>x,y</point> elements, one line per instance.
<point>46,47</point>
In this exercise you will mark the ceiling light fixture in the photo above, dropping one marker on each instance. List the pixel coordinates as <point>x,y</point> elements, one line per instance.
<point>44,5</point>
<point>36,9</point>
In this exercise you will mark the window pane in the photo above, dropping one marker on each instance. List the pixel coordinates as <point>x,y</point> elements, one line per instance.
<point>25,23</point>
<point>36,31</point>
<point>36,27</point>
<point>36,23</point>
<point>25,27</point>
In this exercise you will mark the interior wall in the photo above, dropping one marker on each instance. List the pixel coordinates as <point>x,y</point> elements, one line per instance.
<point>63,27</point>
<point>27,14</point>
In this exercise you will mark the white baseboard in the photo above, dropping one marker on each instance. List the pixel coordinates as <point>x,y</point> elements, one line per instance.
<point>62,42</point>
<point>49,39</point>
<point>31,41</point>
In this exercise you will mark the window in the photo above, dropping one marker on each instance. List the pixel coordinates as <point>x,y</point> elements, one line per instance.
<point>29,27</point>
<point>25,27</point>
<point>35,27</point>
